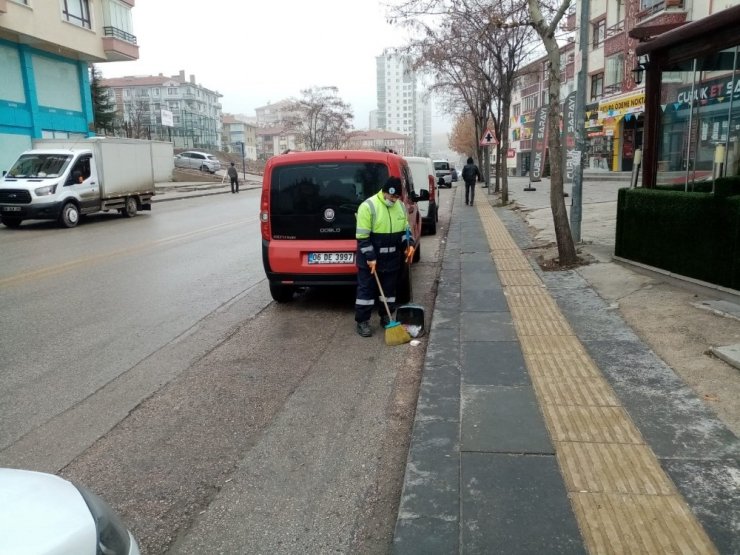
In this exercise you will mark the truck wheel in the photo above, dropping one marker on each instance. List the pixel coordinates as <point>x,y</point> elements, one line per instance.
<point>129,209</point>
<point>70,215</point>
<point>281,293</point>
<point>10,221</point>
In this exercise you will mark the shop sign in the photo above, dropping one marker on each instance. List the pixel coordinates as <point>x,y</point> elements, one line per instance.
<point>511,153</point>
<point>539,143</point>
<point>622,106</point>
<point>717,89</point>
<point>569,124</point>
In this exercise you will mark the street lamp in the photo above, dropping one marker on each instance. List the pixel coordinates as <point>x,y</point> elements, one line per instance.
<point>640,67</point>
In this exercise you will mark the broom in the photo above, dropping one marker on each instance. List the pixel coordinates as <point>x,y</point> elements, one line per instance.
<point>395,334</point>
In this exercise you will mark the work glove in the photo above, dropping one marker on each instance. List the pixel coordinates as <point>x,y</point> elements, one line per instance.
<point>371,264</point>
<point>410,253</point>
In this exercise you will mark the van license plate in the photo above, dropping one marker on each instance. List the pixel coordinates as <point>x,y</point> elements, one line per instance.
<point>331,258</point>
<point>11,208</point>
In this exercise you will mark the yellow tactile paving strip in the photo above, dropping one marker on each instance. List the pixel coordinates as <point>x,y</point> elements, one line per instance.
<point>622,498</point>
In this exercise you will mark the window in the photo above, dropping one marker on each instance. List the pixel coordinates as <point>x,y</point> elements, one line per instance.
<point>517,110</point>
<point>614,73</point>
<point>172,90</point>
<point>597,86</point>
<point>77,12</point>
<point>599,33</point>
<point>530,102</point>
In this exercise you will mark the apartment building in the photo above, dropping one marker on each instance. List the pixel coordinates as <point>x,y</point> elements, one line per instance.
<point>169,108</point>
<point>400,143</point>
<point>276,139</point>
<point>615,99</point>
<point>237,132</point>
<point>529,93</point>
<point>402,108</point>
<point>45,51</point>
<point>275,113</point>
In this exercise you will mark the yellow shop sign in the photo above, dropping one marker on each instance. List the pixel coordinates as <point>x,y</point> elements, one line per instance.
<point>622,106</point>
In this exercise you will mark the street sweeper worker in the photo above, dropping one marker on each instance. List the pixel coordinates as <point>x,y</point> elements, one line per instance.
<point>382,247</point>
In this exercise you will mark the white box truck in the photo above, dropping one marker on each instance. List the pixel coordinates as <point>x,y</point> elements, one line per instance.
<point>64,179</point>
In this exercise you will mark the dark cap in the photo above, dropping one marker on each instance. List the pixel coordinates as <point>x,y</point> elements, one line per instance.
<point>392,186</point>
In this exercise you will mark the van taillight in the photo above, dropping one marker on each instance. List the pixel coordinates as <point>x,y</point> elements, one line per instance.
<point>265,215</point>
<point>432,188</point>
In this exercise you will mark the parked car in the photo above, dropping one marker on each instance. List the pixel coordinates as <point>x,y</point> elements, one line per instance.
<point>197,161</point>
<point>308,216</point>
<point>47,515</point>
<point>422,172</point>
<point>443,173</point>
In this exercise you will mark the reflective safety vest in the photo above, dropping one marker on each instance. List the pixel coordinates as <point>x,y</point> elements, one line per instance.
<point>381,233</point>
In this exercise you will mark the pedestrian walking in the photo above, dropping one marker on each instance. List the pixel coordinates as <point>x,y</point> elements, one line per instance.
<point>382,245</point>
<point>470,175</point>
<point>234,177</point>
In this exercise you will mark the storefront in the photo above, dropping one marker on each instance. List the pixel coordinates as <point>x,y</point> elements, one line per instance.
<point>614,129</point>
<point>692,125</point>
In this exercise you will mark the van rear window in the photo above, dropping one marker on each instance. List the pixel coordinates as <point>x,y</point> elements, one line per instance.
<point>320,200</point>
<point>441,166</point>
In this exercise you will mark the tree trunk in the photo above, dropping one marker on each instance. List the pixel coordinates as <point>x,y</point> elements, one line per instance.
<point>504,144</point>
<point>566,247</point>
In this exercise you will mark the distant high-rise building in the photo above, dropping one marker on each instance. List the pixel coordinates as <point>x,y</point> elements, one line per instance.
<point>373,123</point>
<point>400,108</point>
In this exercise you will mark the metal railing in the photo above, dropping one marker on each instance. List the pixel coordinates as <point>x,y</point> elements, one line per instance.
<point>659,7</point>
<point>117,33</point>
<point>615,29</point>
<point>612,89</point>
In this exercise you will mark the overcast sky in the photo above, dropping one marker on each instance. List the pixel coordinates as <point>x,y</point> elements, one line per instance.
<point>256,52</point>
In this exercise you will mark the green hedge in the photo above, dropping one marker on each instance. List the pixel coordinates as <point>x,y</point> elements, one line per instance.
<point>692,234</point>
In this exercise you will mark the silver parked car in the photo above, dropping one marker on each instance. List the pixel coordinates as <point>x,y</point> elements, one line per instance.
<point>197,161</point>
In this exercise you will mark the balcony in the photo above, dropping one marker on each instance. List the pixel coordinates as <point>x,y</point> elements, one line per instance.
<point>615,29</point>
<point>660,7</point>
<point>119,46</point>
<point>616,88</point>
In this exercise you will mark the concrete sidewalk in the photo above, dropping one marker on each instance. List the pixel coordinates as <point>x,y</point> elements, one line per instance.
<point>545,425</point>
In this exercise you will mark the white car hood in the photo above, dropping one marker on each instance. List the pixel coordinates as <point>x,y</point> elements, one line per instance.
<point>43,514</point>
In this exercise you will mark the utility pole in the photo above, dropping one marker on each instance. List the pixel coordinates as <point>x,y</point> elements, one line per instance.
<point>577,199</point>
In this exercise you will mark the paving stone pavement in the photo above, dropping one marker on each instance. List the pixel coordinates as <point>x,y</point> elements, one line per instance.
<point>545,425</point>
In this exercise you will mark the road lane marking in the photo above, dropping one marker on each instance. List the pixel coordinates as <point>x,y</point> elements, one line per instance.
<point>57,269</point>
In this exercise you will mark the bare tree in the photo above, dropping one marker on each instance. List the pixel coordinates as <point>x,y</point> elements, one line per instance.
<point>136,119</point>
<point>498,51</point>
<point>322,119</point>
<point>475,59</point>
<point>566,247</point>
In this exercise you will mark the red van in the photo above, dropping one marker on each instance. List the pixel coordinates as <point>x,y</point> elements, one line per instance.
<point>308,215</point>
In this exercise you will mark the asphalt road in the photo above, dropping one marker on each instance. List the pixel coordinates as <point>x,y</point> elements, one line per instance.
<point>145,359</point>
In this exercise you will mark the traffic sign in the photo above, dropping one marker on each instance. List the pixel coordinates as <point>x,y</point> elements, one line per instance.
<point>488,138</point>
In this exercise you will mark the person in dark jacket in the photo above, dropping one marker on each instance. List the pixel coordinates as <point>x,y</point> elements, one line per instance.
<point>382,222</point>
<point>234,177</point>
<point>470,175</point>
